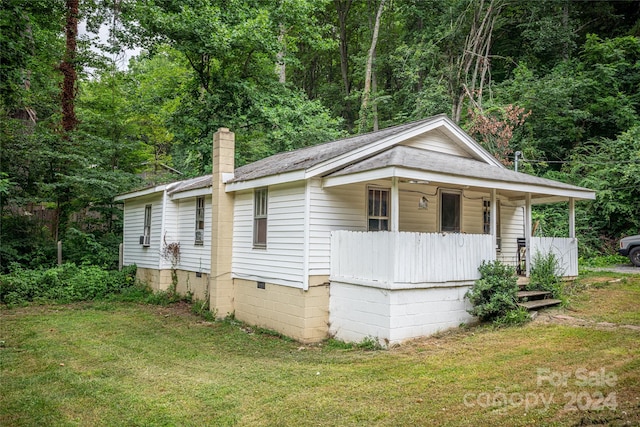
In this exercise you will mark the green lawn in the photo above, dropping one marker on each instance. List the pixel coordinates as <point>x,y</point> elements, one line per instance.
<point>126,364</point>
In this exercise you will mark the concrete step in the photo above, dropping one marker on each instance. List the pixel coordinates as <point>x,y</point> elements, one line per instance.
<point>533,294</point>
<point>539,303</point>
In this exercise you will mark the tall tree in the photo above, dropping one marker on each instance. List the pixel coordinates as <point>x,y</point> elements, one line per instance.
<point>366,92</point>
<point>68,67</point>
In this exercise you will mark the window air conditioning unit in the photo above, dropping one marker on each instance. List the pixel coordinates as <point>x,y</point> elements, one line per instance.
<point>199,236</point>
<point>145,240</point>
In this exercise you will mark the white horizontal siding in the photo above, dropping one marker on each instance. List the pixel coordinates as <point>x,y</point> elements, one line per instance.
<point>330,209</point>
<point>512,227</point>
<point>436,141</point>
<point>427,220</point>
<point>134,252</point>
<point>169,230</point>
<point>193,257</point>
<point>282,261</point>
<point>472,210</point>
<point>411,217</point>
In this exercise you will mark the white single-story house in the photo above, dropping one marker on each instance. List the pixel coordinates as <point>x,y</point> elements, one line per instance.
<point>372,236</point>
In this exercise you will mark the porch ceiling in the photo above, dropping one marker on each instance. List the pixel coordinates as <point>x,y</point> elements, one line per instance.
<point>412,164</point>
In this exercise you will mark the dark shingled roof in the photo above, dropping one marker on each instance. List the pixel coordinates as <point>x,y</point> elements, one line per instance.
<point>414,158</point>
<point>307,157</point>
<point>189,184</point>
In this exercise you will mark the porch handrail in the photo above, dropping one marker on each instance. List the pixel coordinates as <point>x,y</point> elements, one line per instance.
<point>405,259</point>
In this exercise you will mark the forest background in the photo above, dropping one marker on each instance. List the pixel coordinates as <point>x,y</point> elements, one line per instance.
<point>555,80</point>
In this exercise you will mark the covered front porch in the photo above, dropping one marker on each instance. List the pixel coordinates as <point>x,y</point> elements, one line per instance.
<point>431,222</point>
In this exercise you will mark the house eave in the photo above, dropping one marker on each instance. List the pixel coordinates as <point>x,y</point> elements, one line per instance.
<point>458,180</point>
<point>265,181</point>
<point>140,193</point>
<point>191,193</point>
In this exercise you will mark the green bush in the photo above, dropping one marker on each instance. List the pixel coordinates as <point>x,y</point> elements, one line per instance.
<point>84,248</point>
<point>545,275</point>
<point>494,295</point>
<point>65,283</point>
<point>516,316</point>
<point>603,261</point>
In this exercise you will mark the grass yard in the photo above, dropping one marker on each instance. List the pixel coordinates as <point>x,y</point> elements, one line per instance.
<point>108,363</point>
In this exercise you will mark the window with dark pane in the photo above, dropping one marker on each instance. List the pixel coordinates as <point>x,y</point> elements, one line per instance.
<point>260,218</point>
<point>450,212</point>
<point>199,240</point>
<point>378,209</point>
<point>146,233</point>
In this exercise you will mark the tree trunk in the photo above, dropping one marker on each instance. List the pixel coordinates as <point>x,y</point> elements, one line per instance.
<point>367,79</point>
<point>69,120</point>
<point>565,26</point>
<point>281,67</point>
<point>342,8</point>
<point>68,68</point>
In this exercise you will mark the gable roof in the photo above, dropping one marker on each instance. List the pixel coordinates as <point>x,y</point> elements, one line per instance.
<point>309,157</point>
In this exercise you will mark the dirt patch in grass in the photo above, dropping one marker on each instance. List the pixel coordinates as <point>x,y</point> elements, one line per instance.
<point>610,300</point>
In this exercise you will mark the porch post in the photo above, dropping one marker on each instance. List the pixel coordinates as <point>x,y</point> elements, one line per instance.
<point>527,232</point>
<point>395,205</point>
<point>494,219</point>
<point>572,218</point>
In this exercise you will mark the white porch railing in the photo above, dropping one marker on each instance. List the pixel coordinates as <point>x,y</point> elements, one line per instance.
<point>396,260</point>
<point>565,250</point>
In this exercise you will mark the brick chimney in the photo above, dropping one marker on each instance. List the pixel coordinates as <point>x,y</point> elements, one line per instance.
<point>221,293</point>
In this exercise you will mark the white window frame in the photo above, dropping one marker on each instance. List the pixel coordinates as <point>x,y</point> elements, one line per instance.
<point>486,216</point>
<point>200,214</point>
<point>145,239</point>
<point>486,221</point>
<point>448,192</point>
<point>381,212</point>
<point>260,214</point>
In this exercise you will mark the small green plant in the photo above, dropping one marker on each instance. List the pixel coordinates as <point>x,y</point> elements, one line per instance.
<point>171,253</point>
<point>517,316</point>
<point>494,295</point>
<point>201,308</point>
<point>369,344</point>
<point>545,274</point>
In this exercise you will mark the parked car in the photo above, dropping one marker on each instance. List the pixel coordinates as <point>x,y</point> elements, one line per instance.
<point>630,246</point>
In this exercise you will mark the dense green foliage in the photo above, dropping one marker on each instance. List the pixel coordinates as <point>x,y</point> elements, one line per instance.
<point>63,284</point>
<point>493,296</point>
<point>290,73</point>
